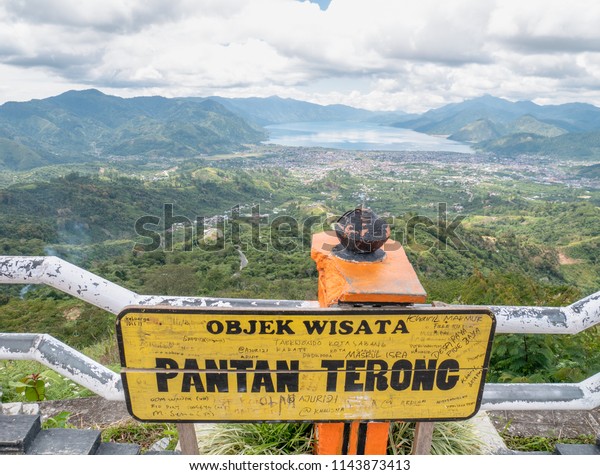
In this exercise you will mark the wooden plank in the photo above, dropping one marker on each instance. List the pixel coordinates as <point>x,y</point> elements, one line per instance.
<point>187,439</point>
<point>423,438</point>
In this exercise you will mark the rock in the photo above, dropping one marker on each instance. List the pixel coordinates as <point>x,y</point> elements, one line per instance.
<point>12,408</point>
<point>31,409</point>
<point>160,445</point>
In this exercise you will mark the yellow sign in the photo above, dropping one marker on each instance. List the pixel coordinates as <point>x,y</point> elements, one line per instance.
<point>198,364</point>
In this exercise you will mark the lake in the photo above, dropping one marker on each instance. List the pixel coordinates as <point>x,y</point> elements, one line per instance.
<point>359,136</point>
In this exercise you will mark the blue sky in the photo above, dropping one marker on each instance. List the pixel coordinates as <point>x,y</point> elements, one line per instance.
<point>323,4</point>
<point>408,55</point>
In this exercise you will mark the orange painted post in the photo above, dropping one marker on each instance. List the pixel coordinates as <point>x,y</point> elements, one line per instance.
<point>350,274</point>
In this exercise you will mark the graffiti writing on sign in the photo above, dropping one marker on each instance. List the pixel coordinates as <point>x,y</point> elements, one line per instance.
<point>320,365</point>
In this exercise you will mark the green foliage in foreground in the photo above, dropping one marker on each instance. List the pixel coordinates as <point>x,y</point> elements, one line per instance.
<point>144,435</point>
<point>449,438</point>
<point>18,385</point>
<point>543,444</point>
<point>545,358</point>
<point>32,387</point>
<point>59,421</point>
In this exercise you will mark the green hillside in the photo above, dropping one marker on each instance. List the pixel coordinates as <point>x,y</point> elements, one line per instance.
<point>451,118</point>
<point>86,125</point>
<point>530,125</point>
<point>478,131</point>
<point>519,136</point>
<point>573,145</point>
<point>17,156</point>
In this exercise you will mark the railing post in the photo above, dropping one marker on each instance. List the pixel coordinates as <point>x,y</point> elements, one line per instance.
<point>354,270</point>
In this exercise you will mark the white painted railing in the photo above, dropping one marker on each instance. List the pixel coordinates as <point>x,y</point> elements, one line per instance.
<point>109,296</point>
<point>105,294</point>
<point>63,359</point>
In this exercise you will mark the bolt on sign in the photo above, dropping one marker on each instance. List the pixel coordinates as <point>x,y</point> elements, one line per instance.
<point>378,364</point>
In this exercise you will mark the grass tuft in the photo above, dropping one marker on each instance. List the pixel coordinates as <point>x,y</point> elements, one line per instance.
<point>449,438</point>
<point>258,439</point>
<point>144,435</point>
<point>543,444</point>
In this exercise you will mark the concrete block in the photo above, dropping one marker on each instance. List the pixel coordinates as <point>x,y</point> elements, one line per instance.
<point>491,441</point>
<point>160,445</point>
<point>113,448</point>
<point>519,452</point>
<point>577,449</point>
<point>31,409</point>
<point>17,433</point>
<point>66,442</point>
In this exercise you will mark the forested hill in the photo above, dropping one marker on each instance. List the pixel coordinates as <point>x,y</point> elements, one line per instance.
<point>515,128</point>
<point>86,125</point>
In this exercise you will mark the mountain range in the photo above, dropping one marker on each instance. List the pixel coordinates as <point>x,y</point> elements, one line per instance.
<point>89,125</point>
<point>449,119</point>
<point>277,110</point>
<point>512,128</point>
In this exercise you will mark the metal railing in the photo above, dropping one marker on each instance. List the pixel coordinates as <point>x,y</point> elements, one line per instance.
<point>63,359</point>
<point>109,296</point>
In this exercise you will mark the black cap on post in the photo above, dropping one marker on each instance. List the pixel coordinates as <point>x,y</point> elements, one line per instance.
<point>362,234</point>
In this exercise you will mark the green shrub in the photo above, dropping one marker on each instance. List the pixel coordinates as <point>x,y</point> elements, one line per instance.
<point>55,386</point>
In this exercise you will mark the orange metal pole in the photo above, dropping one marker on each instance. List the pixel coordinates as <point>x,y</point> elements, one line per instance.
<point>389,281</point>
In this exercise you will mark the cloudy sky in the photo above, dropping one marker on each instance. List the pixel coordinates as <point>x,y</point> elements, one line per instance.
<point>408,55</point>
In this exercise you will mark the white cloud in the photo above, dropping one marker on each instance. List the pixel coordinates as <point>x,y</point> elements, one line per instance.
<point>409,55</point>
<point>106,15</point>
<point>547,25</point>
